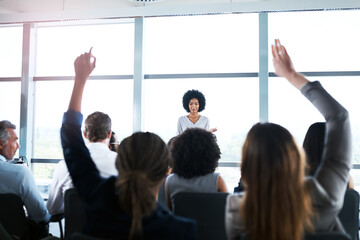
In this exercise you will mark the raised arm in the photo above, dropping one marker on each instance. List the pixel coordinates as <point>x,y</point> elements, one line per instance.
<point>82,169</point>
<point>333,173</point>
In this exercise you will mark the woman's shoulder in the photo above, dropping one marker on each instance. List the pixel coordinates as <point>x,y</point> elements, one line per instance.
<point>204,118</point>
<point>233,201</point>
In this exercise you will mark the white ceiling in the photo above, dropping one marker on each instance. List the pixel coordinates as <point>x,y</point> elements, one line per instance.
<point>12,11</point>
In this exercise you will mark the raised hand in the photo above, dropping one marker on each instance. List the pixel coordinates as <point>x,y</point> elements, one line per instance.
<point>84,65</point>
<point>281,60</point>
<point>284,66</point>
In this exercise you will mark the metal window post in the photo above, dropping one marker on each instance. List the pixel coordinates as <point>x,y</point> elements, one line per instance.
<point>263,68</point>
<point>27,91</point>
<point>138,73</point>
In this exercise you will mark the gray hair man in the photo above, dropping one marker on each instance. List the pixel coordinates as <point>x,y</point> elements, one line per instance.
<point>18,180</point>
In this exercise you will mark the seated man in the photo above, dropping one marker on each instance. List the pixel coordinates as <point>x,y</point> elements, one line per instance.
<point>97,132</point>
<point>18,180</point>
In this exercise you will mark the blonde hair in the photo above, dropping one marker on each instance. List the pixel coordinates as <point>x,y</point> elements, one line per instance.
<point>142,163</point>
<point>276,204</point>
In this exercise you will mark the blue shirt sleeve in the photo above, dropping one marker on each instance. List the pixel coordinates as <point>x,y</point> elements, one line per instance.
<point>31,197</point>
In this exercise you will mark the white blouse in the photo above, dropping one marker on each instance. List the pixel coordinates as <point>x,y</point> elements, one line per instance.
<point>185,123</point>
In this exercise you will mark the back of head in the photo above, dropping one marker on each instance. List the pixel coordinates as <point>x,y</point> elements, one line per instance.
<point>276,203</point>
<point>314,145</point>
<point>195,153</point>
<point>4,133</point>
<point>97,126</point>
<point>142,163</point>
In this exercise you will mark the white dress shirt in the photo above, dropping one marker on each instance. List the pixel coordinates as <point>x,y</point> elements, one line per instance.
<point>104,160</point>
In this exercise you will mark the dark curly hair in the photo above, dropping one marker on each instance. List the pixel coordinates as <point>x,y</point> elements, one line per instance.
<point>195,153</point>
<point>194,94</point>
<point>97,126</point>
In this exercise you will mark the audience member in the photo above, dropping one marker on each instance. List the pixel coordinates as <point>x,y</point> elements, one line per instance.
<point>97,132</point>
<point>17,179</point>
<point>114,142</point>
<point>124,206</point>
<point>278,202</point>
<point>195,154</point>
<point>162,194</point>
<point>314,145</point>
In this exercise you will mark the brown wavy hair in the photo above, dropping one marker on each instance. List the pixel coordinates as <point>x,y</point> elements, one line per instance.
<point>142,163</point>
<point>276,204</point>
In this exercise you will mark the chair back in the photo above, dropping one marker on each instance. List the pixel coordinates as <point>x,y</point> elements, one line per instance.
<point>81,236</point>
<point>208,209</point>
<point>349,214</point>
<point>12,216</point>
<point>316,236</point>
<point>4,235</point>
<point>75,214</point>
<point>327,236</point>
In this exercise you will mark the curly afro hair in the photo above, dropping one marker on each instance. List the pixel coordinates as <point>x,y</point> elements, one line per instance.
<point>194,94</point>
<point>195,153</point>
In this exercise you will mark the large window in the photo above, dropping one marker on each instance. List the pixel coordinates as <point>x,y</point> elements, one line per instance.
<point>216,54</point>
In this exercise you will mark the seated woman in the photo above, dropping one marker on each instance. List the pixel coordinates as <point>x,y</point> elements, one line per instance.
<point>195,157</point>
<point>278,202</point>
<point>122,207</point>
<point>314,146</point>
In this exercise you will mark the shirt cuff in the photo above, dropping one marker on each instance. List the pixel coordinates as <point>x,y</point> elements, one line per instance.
<point>73,117</point>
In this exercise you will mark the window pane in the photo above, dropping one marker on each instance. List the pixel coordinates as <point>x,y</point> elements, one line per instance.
<point>202,44</point>
<point>113,46</point>
<point>231,105</point>
<point>10,92</point>
<point>289,108</point>
<point>11,51</point>
<point>318,40</point>
<point>43,173</point>
<point>355,174</point>
<point>231,176</point>
<point>113,97</point>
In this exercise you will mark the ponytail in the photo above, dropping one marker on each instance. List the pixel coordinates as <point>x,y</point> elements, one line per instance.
<point>142,164</point>
<point>136,198</point>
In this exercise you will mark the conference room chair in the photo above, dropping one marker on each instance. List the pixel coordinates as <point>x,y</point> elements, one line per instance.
<point>349,214</point>
<point>74,210</point>
<point>208,209</point>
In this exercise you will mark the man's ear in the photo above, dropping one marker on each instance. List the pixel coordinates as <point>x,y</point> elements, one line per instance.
<point>85,134</point>
<point>109,134</point>
<point>1,145</point>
